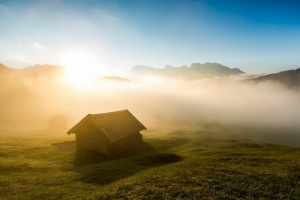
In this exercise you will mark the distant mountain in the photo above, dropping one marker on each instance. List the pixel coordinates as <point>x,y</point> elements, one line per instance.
<point>290,78</point>
<point>5,69</point>
<point>113,79</point>
<point>215,69</point>
<point>196,70</point>
<point>7,74</point>
<point>44,70</point>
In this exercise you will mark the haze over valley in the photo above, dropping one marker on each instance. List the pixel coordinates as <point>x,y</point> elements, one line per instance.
<point>162,98</point>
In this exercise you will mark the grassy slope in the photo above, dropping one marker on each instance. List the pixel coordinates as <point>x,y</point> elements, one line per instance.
<point>203,164</point>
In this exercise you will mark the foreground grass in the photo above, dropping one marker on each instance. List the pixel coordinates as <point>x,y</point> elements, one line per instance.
<point>206,164</point>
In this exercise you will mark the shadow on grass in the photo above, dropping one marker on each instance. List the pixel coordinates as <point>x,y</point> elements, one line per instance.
<point>99,169</point>
<point>157,159</point>
<point>114,170</point>
<point>84,157</point>
<point>65,146</point>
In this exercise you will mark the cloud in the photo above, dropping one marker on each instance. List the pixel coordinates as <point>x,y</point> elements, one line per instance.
<point>23,59</point>
<point>38,46</point>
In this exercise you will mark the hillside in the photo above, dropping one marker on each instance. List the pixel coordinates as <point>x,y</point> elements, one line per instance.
<point>22,95</point>
<point>204,164</point>
<point>196,70</point>
<point>44,70</point>
<point>113,79</point>
<point>4,70</point>
<point>290,78</point>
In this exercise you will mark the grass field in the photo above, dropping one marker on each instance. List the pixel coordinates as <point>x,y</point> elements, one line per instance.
<point>207,164</point>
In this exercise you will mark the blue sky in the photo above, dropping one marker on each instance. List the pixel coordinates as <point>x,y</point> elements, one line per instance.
<point>255,36</point>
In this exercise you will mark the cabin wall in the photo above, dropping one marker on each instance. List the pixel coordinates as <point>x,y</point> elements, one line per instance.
<point>92,144</point>
<point>88,137</point>
<point>125,143</point>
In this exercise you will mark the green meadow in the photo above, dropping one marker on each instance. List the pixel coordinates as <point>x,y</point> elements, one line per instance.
<point>210,163</point>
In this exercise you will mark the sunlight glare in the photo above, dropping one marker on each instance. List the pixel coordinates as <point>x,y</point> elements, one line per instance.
<point>80,68</point>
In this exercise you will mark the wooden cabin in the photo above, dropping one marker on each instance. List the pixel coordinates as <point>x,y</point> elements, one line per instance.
<point>108,133</point>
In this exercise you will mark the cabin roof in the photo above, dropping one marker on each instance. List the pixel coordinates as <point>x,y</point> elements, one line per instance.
<point>115,125</point>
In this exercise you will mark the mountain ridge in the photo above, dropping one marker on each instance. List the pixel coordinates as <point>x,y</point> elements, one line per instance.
<point>196,70</point>
<point>289,78</point>
<point>43,70</point>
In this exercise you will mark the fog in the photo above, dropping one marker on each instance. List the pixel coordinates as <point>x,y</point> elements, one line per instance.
<point>159,103</point>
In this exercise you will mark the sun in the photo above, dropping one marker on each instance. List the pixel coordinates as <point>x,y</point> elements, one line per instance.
<point>80,68</point>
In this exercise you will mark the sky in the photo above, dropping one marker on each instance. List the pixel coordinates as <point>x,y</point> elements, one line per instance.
<point>254,36</point>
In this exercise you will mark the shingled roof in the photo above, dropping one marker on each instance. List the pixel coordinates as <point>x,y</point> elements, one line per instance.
<point>115,125</point>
